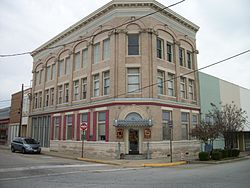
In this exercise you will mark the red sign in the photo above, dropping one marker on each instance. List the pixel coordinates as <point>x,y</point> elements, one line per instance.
<point>84,126</point>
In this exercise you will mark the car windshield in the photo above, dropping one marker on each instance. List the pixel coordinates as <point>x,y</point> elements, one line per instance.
<point>30,141</point>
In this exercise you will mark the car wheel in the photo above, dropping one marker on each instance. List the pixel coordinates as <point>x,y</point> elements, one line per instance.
<point>23,151</point>
<point>12,149</point>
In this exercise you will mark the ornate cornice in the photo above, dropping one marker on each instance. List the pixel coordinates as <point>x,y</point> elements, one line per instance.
<point>109,7</point>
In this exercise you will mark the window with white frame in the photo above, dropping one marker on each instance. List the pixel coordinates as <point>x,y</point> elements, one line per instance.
<point>60,94</point>
<point>56,127</point>
<point>37,77</point>
<point>195,118</point>
<point>40,99</point>
<point>106,49</point>
<point>159,45</point>
<point>184,125</point>
<point>96,84</point>
<point>85,57</point>
<point>52,95</point>
<point>41,76</point>
<point>76,90</point>
<point>133,44</point>
<point>69,123</point>
<point>48,73</point>
<point>106,83</point>
<point>183,87</point>
<point>97,54</point>
<point>189,60</point>
<point>84,88</point>
<point>53,71</point>
<point>35,101</point>
<point>160,82</point>
<point>60,67</point>
<point>46,98</point>
<point>181,56</point>
<point>133,80</point>
<point>166,118</point>
<point>101,126</point>
<point>169,52</point>
<point>77,61</point>
<point>191,89</point>
<point>171,83</point>
<point>67,65</point>
<point>66,93</point>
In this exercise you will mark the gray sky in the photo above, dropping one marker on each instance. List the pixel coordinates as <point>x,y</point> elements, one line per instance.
<point>27,24</point>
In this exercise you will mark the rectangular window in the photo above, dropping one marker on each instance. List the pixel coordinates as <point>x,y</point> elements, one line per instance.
<point>106,83</point>
<point>101,126</point>
<point>77,61</point>
<point>166,118</point>
<point>67,65</point>
<point>69,127</point>
<point>169,52</point>
<point>85,57</point>
<point>106,49</point>
<point>84,118</point>
<point>46,98</point>
<point>189,60</point>
<point>40,98</point>
<point>96,85</point>
<point>66,93</point>
<point>184,125</point>
<point>84,88</point>
<point>41,77</point>
<point>133,80</point>
<point>195,120</point>
<point>133,44</point>
<point>60,67</point>
<point>36,78</point>
<point>60,94</point>
<point>53,71</point>
<point>191,89</point>
<point>96,53</point>
<point>56,127</point>
<point>160,82</point>
<point>183,87</point>
<point>160,48</point>
<point>48,73</point>
<point>171,81</point>
<point>52,95</point>
<point>36,101</point>
<point>76,90</point>
<point>181,56</point>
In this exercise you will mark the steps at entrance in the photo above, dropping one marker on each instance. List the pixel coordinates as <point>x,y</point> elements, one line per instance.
<point>135,157</point>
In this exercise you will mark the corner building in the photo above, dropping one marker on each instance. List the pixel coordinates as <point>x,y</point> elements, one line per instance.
<point>123,76</point>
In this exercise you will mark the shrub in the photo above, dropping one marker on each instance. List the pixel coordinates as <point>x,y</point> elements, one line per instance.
<point>235,153</point>
<point>224,153</point>
<point>216,155</point>
<point>204,156</point>
<point>230,153</point>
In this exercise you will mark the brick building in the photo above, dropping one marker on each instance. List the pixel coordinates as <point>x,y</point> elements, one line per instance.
<point>125,77</point>
<point>4,124</point>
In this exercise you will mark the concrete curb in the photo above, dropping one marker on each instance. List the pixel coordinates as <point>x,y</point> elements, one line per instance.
<point>98,161</point>
<point>220,162</point>
<point>165,164</point>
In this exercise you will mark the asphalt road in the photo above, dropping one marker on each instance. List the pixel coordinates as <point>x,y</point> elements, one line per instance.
<point>40,171</point>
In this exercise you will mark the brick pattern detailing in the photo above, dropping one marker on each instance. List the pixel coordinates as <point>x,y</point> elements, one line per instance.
<point>94,125</point>
<point>107,126</point>
<point>78,127</point>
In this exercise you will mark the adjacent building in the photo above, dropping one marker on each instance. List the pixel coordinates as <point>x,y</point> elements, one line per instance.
<point>216,91</point>
<point>129,79</point>
<point>4,124</point>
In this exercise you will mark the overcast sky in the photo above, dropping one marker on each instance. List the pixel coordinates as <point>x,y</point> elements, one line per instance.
<point>27,24</point>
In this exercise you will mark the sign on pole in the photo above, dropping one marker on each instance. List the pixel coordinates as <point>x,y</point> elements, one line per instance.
<point>84,126</point>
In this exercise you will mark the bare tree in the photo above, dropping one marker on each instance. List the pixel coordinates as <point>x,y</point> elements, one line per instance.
<point>229,119</point>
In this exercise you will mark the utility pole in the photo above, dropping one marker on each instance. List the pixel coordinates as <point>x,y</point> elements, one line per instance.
<point>21,113</point>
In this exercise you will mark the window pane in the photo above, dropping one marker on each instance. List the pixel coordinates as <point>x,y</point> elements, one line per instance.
<point>85,57</point>
<point>96,53</point>
<point>133,44</point>
<point>77,63</point>
<point>67,66</point>
<point>106,49</point>
<point>101,116</point>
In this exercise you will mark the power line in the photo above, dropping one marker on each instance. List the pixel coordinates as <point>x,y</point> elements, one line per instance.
<point>93,35</point>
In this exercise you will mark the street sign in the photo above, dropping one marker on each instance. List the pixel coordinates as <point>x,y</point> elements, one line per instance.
<point>84,126</point>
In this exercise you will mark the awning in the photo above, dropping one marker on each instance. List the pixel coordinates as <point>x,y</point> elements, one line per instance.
<point>133,123</point>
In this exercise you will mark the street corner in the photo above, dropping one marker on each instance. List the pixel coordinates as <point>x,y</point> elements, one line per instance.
<point>164,164</point>
<point>98,161</point>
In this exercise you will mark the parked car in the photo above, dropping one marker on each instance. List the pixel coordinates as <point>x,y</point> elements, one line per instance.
<point>25,145</point>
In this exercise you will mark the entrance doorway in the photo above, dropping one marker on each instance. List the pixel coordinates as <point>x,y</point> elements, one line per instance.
<point>133,141</point>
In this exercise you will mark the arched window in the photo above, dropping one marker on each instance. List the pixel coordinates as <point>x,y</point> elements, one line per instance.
<point>133,116</point>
